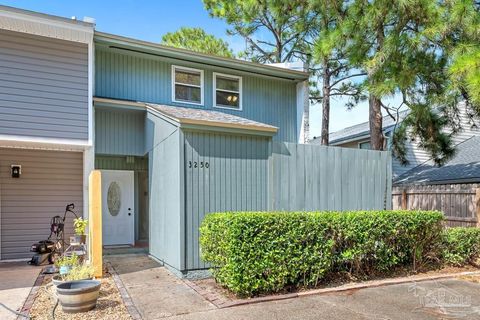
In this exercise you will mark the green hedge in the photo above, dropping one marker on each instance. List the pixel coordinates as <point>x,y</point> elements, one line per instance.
<point>257,252</point>
<point>461,246</point>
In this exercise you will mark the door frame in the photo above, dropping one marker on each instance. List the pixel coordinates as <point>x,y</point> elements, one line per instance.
<point>133,199</point>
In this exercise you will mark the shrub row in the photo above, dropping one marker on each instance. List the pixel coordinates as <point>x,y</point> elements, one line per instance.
<point>257,252</point>
<point>461,246</point>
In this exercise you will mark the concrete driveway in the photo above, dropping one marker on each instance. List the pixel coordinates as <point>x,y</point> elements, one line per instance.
<point>16,281</point>
<point>157,294</point>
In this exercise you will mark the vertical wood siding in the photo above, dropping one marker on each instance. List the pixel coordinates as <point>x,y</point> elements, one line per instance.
<point>147,78</point>
<point>312,177</point>
<point>236,179</point>
<point>43,87</point>
<point>49,181</point>
<point>165,201</point>
<point>119,132</point>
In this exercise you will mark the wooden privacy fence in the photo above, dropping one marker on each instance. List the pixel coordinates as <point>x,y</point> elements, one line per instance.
<point>313,177</point>
<point>460,203</point>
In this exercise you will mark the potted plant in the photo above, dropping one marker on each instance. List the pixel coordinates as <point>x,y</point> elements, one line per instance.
<point>80,226</point>
<point>76,273</point>
<point>66,263</point>
<point>77,294</point>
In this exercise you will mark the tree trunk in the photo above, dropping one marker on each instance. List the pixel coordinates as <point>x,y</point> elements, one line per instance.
<point>325,106</point>
<point>376,130</point>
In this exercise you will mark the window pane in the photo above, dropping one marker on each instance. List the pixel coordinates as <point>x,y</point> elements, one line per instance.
<point>189,94</point>
<point>227,84</point>
<point>365,145</point>
<point>228,99</point>
<point>187,77</point>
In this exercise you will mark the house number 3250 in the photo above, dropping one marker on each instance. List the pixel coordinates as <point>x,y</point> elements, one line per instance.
<point>196,165</point>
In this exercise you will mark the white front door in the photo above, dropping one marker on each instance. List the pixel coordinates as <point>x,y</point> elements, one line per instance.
<point>118,223</point>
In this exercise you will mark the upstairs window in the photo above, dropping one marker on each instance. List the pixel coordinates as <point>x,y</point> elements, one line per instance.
<point>187,85</point>
<point>227,91</point>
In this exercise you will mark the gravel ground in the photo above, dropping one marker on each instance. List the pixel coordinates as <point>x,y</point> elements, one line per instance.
<point>109,304</point>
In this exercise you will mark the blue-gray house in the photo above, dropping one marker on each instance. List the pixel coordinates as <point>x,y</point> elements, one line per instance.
<point>185,134</point>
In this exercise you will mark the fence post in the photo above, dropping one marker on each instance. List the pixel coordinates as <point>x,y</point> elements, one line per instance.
<point>477,205</point>
<point>404,199</point>
<point>95,222</point>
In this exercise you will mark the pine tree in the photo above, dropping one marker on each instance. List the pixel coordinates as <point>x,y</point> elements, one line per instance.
<point>391,42</point>
<point>196,39</point>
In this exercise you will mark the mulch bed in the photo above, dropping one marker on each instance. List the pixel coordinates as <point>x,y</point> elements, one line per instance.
<point>222,297</point>
<point>109,304</point>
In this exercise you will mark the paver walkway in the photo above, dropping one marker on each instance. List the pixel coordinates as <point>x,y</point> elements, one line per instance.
<point>154,290</point>
<point>16,281</point>
<point>159,295</point>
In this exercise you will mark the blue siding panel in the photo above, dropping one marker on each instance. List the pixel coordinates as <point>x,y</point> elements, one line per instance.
<point>148,78</point>
<point>235,179</point>
<point>165,188</point>
<point>119,132</point>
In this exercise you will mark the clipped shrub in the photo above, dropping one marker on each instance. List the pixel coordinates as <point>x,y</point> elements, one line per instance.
<point>259,252</point>
<point>461,246</point>
<point>380,240</point>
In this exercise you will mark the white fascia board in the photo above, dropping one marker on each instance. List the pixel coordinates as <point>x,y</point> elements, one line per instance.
<point>44,25</point>
<point>11,141</point>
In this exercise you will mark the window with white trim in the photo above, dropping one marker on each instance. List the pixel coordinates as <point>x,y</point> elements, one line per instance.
<point>187,85</point>
<point>227,91</point>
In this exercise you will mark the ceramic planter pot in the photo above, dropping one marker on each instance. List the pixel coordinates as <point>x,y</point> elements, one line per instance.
<point>78,296</point>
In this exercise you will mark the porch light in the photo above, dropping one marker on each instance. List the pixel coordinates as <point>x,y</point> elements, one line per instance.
<point>16,170</point>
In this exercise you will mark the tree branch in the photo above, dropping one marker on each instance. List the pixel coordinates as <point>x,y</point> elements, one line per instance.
<point>347,77</point>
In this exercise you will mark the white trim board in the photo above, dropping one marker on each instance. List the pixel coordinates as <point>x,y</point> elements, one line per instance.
<point>12,141</point>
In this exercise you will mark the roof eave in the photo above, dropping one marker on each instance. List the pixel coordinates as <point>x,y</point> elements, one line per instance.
<point>175,53</point>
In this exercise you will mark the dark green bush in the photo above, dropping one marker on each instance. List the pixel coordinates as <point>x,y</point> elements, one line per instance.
<point>461,246</point>
<point>257,252</point>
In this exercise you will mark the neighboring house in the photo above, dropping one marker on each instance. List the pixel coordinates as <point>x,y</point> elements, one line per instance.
<point>358,136</point>
<point>463,168</point>
<point>46,124</point>
<point>175,133</point>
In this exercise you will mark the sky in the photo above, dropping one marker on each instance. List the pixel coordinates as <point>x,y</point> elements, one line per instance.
<point>148,20</point>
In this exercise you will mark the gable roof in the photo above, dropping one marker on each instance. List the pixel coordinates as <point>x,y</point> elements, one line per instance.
<point>464,167</point>
<point>358,131</point>
<point>156,49</point>
<point>210,118</point>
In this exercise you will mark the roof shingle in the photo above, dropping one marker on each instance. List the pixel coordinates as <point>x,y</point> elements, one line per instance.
<point>210,118</point>
<point>463,167</point>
